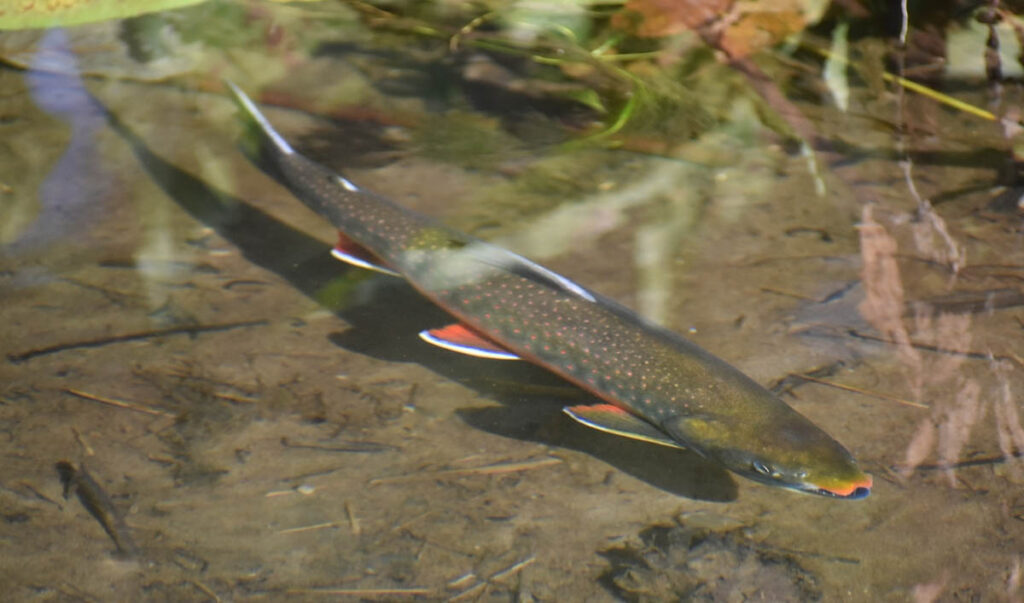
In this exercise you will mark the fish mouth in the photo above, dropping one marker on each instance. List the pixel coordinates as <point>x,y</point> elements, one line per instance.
<point>857,493</point>
<point>850,491</point>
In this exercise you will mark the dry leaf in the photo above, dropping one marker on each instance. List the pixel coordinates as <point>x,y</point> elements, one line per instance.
<point>657,18</point>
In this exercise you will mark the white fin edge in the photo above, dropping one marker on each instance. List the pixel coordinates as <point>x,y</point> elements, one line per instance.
<point>567,284</point>
<point>498,256</point>
<point>467,350</point>
<point>255,114</point>
<point>625,434</point>
<point>347,184</point>
<point>361,263</point>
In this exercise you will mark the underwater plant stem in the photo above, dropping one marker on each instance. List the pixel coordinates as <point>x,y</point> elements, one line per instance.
<point>913,87</point>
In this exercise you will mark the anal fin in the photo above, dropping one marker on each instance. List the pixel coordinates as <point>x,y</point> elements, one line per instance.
<point>353,253</point>
<point>460,338</point>
<point>612,419</point>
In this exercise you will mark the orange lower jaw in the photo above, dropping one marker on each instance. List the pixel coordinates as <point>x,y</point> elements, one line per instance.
<point>855,489</point>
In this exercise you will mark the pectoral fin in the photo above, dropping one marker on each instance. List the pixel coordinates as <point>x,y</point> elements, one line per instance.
<point>460,338</point>
<point>612,419</point>
<point>353,253</point>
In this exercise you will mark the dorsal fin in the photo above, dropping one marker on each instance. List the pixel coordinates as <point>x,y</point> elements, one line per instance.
<point>254,116</point>
<point>518,265</point>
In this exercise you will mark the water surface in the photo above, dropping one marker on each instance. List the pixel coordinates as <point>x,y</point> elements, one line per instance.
<point>269,423</point>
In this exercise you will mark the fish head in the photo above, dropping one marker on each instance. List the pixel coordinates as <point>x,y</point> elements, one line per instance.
<point>788,452</point>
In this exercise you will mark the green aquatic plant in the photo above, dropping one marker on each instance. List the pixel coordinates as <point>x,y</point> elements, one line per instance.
<point>464,138</point>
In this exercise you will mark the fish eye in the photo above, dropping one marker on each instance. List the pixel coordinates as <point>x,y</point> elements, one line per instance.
<point>765,469</point>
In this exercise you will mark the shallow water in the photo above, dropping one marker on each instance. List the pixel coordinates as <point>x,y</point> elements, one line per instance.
<point>270,425</point>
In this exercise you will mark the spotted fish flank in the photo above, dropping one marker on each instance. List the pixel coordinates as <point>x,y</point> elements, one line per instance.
<point>654,385</point>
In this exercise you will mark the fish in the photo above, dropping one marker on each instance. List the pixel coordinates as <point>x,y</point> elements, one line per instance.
<point>648,383</point>
<point>98,503</point>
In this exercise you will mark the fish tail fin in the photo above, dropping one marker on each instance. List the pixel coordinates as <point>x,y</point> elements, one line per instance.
<point>260,141</point>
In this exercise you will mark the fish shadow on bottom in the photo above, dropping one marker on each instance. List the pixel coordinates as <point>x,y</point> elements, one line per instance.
<point>384,325</point>
<point>679,472</point>
<point>384,322</point>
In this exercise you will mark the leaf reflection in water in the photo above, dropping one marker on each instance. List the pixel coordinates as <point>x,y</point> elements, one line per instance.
<point>957,400</point>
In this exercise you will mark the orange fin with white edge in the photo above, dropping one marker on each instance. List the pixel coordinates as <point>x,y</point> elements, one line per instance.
<point>612,419</point>
<point>353,253</point>
<point>464,340</point>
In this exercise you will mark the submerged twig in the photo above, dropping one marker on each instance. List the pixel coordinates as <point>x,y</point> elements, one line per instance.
<point>863,392</point>
<point>116,403</point>
<point>968,302</point>
<point>316,526</point>
<point>353,446</point>
<point>978,462</point>
<point>469,592</point>
<point>353,521</point>
<point>928,347</point>
<point>104,341</point>
<point>35,492</point>
<point>86,448</point>
<point>511,570</point>
<point>460,581</point>
<point>811,554</point>
<point>206,590</point>
<point>485,470</point>
<point>234,399</point>
<point>363,592</point>
<point>915,87</point>
<point>405,524</point>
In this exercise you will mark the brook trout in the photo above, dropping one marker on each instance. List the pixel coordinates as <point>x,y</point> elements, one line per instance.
<point>652,384</point>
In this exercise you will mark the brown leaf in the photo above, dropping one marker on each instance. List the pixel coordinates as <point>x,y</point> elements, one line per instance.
<point>760,29</point>
<point>740,28</point>
<point>657,18</point>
